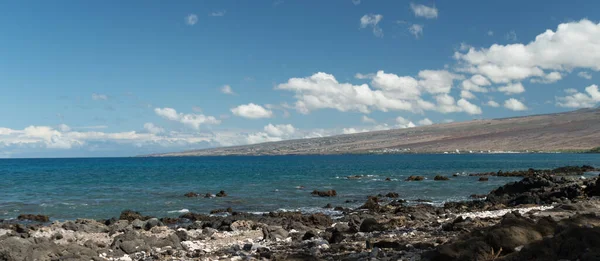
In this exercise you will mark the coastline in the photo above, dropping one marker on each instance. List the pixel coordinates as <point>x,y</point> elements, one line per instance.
<point>541,206</point>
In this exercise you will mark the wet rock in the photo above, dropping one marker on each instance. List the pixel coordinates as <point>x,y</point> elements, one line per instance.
<point>191,194</point>
<point>221,194</point>
<point>247,247</point>
<point>328,205</point>
<point>131,215</point>
<point>327,193</point>
<point>388,179</point>
<point>208,195</point>
<point>309,235</point>
<point>371,204</point>
<point>389,244</point>
<point>354,177</point>
<point>477,196</point>
<point>392,195</point>
<point>32,217</point>
<point>439,177</point>
<point>370,225</point>
<point>153,222</point>
<point>415,178</point>
<point>336,237</point>
<point>483,179</point>
<point>138,224</point>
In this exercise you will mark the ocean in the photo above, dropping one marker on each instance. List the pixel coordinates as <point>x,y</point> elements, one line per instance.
<point>102,187</point>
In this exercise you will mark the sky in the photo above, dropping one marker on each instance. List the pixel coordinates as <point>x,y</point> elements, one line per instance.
<point>124,78</point>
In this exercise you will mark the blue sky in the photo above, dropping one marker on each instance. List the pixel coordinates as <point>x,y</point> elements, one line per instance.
<point>114,78</point>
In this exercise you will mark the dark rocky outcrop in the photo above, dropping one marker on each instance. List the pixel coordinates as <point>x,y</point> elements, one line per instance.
<point>32,217</point>
<point>483,178</point>
<point>415,178</point>
<point>439,177</point>
<point>327,193</point>
<point>221,194</point>
<point>131,215</point>
<point>191,194</point>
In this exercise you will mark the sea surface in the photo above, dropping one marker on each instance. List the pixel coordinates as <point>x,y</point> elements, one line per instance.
<point>103,187</point>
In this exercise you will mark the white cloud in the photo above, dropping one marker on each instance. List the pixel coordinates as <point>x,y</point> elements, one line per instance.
<point>218,13</point>
<point>439,81</point>
<point>280,130</point>
<point>514,105</point>
<point>468,107</point>
<point>64,127</point>
<point>191,19</point>
<point>548,78</point>
<point>151,128</point>
<point>361,76</point>
<point>492,103</point>
<point>511,36</point>
<point>585,75</point>
<point>226,89</point>
<point>401,87</point>
<point>475,83</point>
<point>404,123</point>
<point>372,20</point>
<point>467,95</point>
<point>252,111</point>
<point>512,88</point>
<point>424,11</point>
<point>366,119</point>
<point>580,100</point>
<point>416,30</point>
<point>573,45</point>
<point>99,97</point>
<point>490,33</point>
<point>425,122</point>
<point>571,91</point>
<point>191,120</point>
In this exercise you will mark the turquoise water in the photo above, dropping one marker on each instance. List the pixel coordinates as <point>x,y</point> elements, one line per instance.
<point>103,187</point>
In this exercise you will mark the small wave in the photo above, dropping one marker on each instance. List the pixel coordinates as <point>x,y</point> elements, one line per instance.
<point>185,210</point>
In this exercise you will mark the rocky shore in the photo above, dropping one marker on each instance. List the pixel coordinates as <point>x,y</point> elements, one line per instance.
<point>548,215</point>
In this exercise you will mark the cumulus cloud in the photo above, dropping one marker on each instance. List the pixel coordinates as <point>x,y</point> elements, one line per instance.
<point>492,103</point>
<point>416,30</point>
<point>467,95</point>
<point>476,83</point>
<point>372,20</point>
<point>512,88</point>
<point>447,104</point>
<point>99,97</point>
<point>361,76</point>
<point>404,123</point>
<point>425,122</point>
<point>226,89</point>
<point>190,120</point>
<point>573,45</point>
<point>252,111</point>
<point>585,75</point>
<point>366,119</point>
<point>280,130</point>
<point>548,78</point>
<point>437,81</point>
<point>589,99</point>
<point>151,128</point>
<point>424,11</point>
<point>514,105</point>
<point>191,19</point>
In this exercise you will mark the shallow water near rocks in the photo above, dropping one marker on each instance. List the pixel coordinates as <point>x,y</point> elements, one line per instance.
<point>103,187</point>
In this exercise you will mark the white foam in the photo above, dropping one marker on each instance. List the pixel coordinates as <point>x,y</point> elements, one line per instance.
<point>502,212</point>
<point>185,210</point>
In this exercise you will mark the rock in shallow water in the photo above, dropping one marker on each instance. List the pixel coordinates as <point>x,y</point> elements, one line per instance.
<point>32,217</point>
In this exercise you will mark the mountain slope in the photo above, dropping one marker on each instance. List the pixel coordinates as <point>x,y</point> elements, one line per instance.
<point>576,130</point>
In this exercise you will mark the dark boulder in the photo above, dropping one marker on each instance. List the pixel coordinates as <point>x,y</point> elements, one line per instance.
<point>131,215</point>
<point>371,204</point>
<point>191,194</point>
<point>439,177</point>
<point>484,179</point>
<point>328,193</point>
<point>392,195</point>
<point>370,225</point>
<point>221,194</point>
<point>415,178</point>
<point>32,217</point>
